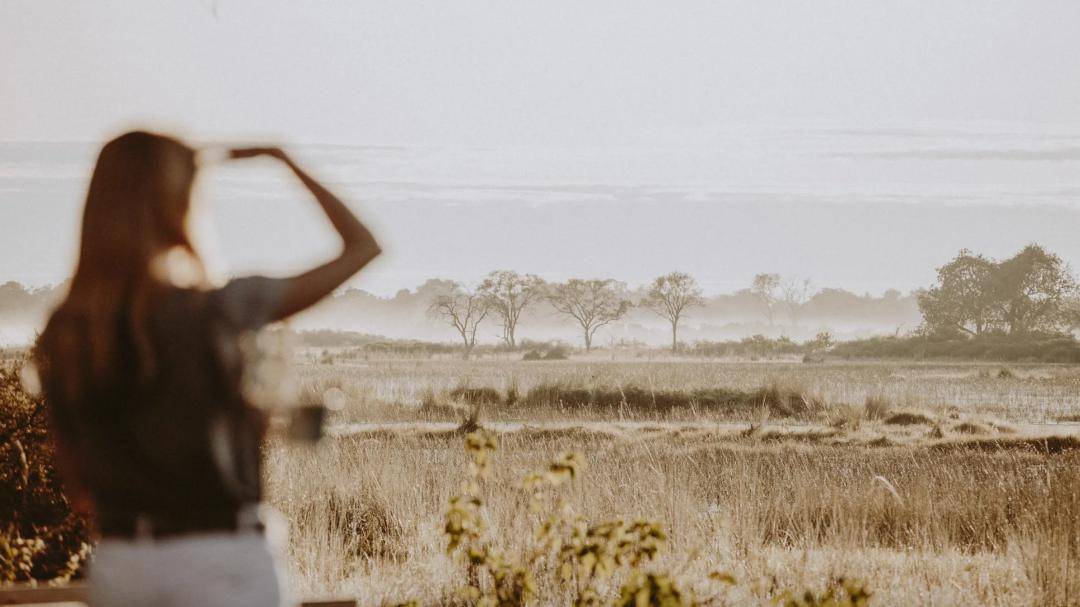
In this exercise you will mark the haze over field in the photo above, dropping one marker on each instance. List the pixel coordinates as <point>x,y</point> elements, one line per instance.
<point>823,204</point>
<point>858,145</point>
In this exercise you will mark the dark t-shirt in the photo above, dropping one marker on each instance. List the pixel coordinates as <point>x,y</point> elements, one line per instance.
<point>184,445</point>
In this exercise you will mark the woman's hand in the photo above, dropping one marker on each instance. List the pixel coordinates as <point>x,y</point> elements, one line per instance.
<point>273,152</point>
<point>304,290</point>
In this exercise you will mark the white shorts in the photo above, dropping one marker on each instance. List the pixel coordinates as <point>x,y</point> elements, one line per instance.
<point>227,569</point>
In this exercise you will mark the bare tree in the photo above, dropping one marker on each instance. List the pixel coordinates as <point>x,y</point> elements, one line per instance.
<point>795,293</point>
<point>507,294</point>
<point>764,289</point>
<point>464,309</point>
<point>592,303</point>
<point>669,296</point>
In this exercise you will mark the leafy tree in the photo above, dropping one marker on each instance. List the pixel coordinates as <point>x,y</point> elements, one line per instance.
<point>463,309</point>
<point>669,296</point>
<point>44,535</point>
<point>1031,291</point>
<point>592,303</point>
<point>764,288</point>
<point>508,293</point>
<point>962,300</point>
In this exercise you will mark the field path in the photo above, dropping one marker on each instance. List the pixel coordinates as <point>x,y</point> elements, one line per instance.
<point>634,427</point>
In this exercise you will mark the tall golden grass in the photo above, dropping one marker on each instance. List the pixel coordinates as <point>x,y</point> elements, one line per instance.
<point>889,488</point>
<point>782,479</point>
<point>392,389</point>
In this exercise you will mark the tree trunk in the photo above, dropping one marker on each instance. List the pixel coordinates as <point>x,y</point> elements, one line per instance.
<point>674,337</point>
<point>588,341</point>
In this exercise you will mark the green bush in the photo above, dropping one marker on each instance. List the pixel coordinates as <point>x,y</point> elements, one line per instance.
<point>41,538</point>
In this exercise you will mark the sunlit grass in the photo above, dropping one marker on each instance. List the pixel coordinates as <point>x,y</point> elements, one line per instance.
<point>883,483</point>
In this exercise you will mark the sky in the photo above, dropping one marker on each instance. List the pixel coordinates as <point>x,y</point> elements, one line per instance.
<point>516,72</point>
<point>857,143</point>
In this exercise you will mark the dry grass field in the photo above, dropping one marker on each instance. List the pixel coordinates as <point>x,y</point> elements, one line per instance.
<point>933,484</point>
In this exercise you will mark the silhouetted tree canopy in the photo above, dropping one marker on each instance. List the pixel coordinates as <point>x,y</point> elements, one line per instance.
<point>591,303</point>
<point>1032,292</point>
<point>764,288</point>
<point>507,294</point>
<point>669,296</point>
<point>463,309</point>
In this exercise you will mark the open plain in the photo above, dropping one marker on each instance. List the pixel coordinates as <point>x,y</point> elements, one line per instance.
<point>930,483</point>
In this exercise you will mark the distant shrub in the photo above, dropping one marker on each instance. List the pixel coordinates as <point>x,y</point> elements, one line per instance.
<point>1005,373</point>
<point>557,353</point>
<point>970,428</point>
<point>787,401</point>
<point>1001,348</point>
<point>408,348</point>
<point>483,395</point>
<point>755,347</point>
<point>440,405</point>
<point>877,407</point>
<point>329,338</point>
<point>908,418</point>
<point>777,399</point>
<point>550,352</point>
<point>513,394</point>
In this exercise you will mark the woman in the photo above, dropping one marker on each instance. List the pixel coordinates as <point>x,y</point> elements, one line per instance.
<point>141,366</point>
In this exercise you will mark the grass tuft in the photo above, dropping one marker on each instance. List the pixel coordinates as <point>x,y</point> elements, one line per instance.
<point>908,418</point>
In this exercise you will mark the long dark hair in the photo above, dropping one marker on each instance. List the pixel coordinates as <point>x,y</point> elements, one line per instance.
<point>135,216</point>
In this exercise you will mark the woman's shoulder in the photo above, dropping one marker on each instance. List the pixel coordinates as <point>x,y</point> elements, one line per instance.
<point>247,302</point>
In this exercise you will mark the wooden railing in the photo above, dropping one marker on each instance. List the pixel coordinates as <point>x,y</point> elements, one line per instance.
<point>42,595</point>
<point>77,594</point>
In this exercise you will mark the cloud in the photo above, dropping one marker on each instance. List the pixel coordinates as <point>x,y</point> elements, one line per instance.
<point>1056,154</point>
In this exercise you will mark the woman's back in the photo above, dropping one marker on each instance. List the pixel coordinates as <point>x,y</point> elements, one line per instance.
<point>185,443</point>
<point>144,382</point>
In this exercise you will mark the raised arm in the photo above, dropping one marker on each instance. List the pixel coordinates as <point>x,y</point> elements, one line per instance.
<point>304,290</point>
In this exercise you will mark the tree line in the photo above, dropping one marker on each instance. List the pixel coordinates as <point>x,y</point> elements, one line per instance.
<point>404,315</point>
<point>590,303</point>
<point>594,303</point>
<point>1032,292</point>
